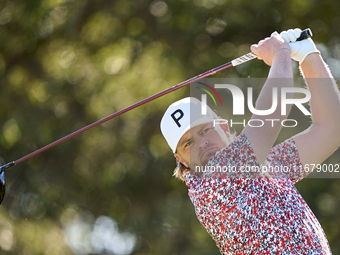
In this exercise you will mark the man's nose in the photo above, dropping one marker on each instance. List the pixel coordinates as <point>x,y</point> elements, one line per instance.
<point>202,143</point>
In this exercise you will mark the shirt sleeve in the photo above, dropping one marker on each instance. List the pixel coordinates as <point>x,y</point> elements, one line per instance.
<point>237,160</point>
<point>284,161</point>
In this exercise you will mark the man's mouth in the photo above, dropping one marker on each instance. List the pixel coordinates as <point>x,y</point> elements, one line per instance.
<point>210,151</point>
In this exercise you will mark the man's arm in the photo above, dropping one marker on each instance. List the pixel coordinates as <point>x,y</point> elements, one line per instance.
<point>322,138</point>
<point>275,52</point>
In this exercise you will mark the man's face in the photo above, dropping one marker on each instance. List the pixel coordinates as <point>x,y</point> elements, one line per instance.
<point>200,143</point>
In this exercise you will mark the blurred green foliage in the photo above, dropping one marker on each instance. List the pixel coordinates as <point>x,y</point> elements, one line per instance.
<point>67,63</point>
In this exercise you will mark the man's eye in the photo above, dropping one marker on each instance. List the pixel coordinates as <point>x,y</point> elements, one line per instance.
<point>188,144</point>
<point>205,130</point>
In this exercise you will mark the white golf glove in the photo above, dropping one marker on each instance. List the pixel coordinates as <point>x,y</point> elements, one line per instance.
<point>299,49</point>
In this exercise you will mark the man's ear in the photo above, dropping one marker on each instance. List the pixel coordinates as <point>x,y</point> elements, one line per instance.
<point>180,159</point>
<point>225,128</point>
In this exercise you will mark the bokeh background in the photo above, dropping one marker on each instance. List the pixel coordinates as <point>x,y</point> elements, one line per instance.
<point>67,63</point>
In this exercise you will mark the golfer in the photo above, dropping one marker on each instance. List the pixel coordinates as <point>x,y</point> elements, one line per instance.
<point>247,211</point>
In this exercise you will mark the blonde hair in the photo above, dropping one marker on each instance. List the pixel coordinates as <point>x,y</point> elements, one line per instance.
<point>181,170</point>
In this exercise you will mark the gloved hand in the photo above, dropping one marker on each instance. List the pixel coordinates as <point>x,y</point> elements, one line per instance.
<point>299,49</point>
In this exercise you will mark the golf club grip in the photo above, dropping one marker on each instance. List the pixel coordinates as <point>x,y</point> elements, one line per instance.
<point>305,34</point>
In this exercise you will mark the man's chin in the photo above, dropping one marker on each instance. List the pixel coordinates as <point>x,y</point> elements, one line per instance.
<point>206,157</point>
<point>203,161</point>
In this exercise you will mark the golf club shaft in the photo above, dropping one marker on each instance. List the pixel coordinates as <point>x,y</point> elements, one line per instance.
<point>304,35</point>
<point>180,85</point>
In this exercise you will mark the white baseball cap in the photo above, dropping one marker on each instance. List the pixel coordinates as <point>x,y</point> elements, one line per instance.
<point>181,116</point>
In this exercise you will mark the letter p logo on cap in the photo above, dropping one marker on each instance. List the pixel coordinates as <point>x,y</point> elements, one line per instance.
<point>176,119</point>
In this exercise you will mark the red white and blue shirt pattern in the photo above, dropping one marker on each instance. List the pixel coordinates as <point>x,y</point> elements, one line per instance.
<point>254,212</point>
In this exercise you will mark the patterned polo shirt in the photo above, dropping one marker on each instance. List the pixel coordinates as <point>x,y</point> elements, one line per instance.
<point>253,209</point>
